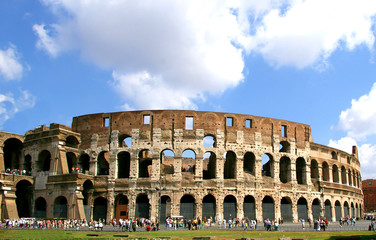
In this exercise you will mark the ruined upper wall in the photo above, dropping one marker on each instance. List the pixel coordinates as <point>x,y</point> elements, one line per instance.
<point>168,121</point>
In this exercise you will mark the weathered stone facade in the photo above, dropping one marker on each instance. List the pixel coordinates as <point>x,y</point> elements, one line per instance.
<point>177,163</point>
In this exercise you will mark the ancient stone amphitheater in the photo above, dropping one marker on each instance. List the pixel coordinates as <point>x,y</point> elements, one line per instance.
<point>155,164</point>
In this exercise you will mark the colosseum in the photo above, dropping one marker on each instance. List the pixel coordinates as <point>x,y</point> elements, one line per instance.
<point>160,163</point>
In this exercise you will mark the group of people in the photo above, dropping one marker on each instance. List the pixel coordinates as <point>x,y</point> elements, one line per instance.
<point>18,172</point>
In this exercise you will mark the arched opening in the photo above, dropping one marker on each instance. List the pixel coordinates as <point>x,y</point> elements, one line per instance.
<point>165,210</point>
<point>356,210</point>
<point>188,162</point>
<point>316,209</point>
<point>338,209</point>
<point>24,194</point>
<point>71,161</point>
<point>60,207</point>
<point>27,164</point>
<point>209,141</point>
<point>187,207</point>
<point>346,209</point>
<point>286,209</point>
<point>325,171</point>
<point>249,207</point>
<point>144,163</point>
<point>354,178</point>
<point>209,165</point>
<point>302,208</point>
<point>100,209</point>
<point>125,141</point>
<point>12,153</point>
<point>301,171</point>
<point>142,206</point>
<point>267,165</point>
<point>230,165</point>
<point>229,207</point>
<point>285,169</point>
<point>84,163</point>
<point>268,208</point>
<point>103,165</point>
<point>350,177</point>
<point>314,169</point>
<point>123,164</point>
<point>167,162</point>
<point>121,207</point>
<point>334,155</point>
<point>208,207</point>
<point>40,207</point>
<point>71,141</point>
<point>284,146</point>
<point>249,163</point>
<point>343,175</point>
<point>352,210</point>
<point>44,161</point>
<point>328,210</point>
<point>87,193</point>
<point>335,174</point>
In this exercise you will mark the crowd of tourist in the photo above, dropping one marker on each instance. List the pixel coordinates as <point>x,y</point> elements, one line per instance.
<point>17,172</point>
<point>171,223</point>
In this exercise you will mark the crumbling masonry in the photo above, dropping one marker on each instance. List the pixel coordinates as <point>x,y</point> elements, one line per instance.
<point>155,164</point>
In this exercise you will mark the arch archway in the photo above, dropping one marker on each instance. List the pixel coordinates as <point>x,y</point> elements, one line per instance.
<point>12,153</point>
<point>167,162</point>
<point>335,174</point>
<point>100,209</point>
<point>71,161</point>
<point>144,163</point>
<point>285,169</point>
<point>188,162</point>
<point>229,207</point>
<point>230,166</point>
<point>123,164</point>
<point>314,169</point>
<point>142,206</point>
<point>301,171</point>
<point>187,206</point>
<point>121,207</point>
<point>249,207</point>
<point>338,210</point>
<point>87,193</point>
<point>267,165</point>
<point>44,161</point>
<point>346,209</point>
<point>302,208</point>
<point>103,164</point>
<point>24,194</point>
<point>268,208</point>
<point>208,207</point>
<point>343,175</point>
<point>84,163</point>
<point>165,210</point>
<point>249,163</point>
<point>60,207</point>
<point>210,165</point>
<point>40,207</point>
<point>328,210</point>
<point>316,208</point>
<point>286,209</point>
<point>325,171</point>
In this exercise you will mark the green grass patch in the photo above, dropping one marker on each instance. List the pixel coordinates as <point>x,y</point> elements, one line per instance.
<point>173,235</point>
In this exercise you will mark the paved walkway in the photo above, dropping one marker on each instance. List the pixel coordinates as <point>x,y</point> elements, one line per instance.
<point>361,225</point>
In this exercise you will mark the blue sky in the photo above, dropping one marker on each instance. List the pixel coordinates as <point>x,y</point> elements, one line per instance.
<point>307,61</point>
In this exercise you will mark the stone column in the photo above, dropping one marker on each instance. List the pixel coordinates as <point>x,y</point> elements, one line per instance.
<point>293,179</point>
<point>258,207</point>
<point>330,173</point>
<point>199,167</point>
<point>93,164</point>
<point>177,168</point>
<point>294,206</point>
<point>110,202</point>
<point>132,205</point>
<point>156,168</point>
<point>2,167</point>
<point>277,208</point>
<point>240,208</point>
<point>333,211</point>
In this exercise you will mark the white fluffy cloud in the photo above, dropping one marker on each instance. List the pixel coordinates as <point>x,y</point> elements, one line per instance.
<point>10,67</point>
<point>306,33</point>
<point>188,49</point>
<point>359,121</point>
<point>10,105</point>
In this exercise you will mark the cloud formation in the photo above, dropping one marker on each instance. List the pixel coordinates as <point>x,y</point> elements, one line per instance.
<point>10,67</point>
<point>175,53</point>
<point>10,105</point>
<point>359,122</point>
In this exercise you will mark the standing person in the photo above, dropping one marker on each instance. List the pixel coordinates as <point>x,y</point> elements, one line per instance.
<point>303,223</point>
